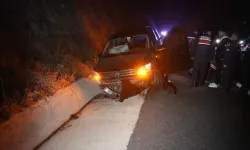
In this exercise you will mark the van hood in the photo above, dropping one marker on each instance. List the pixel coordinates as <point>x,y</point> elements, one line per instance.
<point>123,61</point>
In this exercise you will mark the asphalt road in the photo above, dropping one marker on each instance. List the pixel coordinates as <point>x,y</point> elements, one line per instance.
<point>194,119</point>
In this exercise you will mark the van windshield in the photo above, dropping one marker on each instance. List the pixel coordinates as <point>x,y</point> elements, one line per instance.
<point>128,44</point>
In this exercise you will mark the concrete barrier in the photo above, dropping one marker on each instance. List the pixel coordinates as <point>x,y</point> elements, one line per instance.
<point>29,128</point>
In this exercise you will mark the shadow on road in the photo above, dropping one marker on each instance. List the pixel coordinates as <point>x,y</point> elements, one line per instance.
<point>129,90</point>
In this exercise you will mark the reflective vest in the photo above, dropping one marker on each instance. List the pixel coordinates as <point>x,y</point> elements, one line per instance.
<point>213,66</point>
<point>204,40</point>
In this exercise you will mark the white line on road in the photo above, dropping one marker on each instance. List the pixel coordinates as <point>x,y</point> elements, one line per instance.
<point>103,125</point>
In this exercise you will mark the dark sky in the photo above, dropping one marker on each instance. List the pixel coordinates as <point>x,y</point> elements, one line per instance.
<point>191,13</point>
<point>208,14</point>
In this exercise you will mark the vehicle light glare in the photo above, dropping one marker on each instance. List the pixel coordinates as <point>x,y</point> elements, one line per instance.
<point>97,77</point>
<point>142,72</point>
<point>148,66</point>
<point>163,33</point>
<point>217,41</point>
<point>241,42</point>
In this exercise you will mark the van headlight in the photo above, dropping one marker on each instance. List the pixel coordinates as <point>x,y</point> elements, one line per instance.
<point>143,71</point>
<point>148,66</point>
<point>97,76</point>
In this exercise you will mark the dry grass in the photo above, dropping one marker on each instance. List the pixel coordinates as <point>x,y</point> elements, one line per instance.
<point>48,45</point>
<point>42,79</point>
<point>45,82</point>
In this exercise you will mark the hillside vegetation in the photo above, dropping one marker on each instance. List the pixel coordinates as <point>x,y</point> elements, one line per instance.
<point>46,45</point>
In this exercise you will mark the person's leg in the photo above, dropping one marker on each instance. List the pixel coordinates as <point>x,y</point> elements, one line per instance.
<point>207,69</point>
<point>218,76</point>
<point>244,77</point>
<point>226,79</point>
<point>190,72</point>
<point>209,74</point>
<point>213,75</point>
<point>203,73</point>
<point>195,73</point>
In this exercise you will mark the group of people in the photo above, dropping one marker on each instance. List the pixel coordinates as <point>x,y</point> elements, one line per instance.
<point>220,60</point>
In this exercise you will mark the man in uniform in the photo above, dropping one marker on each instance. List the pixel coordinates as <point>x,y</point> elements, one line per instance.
<point>230,61</point>
<point>244,66</point>
<point>201,58</point>
<point>212,69</point>
<point>218,57</point>
<point>193,47</point>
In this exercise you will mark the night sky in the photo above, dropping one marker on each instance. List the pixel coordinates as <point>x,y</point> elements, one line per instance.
<point>193,13</point>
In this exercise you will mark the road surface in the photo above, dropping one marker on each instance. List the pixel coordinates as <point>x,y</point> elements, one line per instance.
<point>194,119</point>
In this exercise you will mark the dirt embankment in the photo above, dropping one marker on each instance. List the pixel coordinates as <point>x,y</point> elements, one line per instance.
<point>46,45</point>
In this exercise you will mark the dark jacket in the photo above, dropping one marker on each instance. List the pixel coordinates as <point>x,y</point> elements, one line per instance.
<point>176,54</point>
<point>221,48</point>
<point>245,57</point>
<point>213,51</point>
<point>193,46</point>
<point>231,55</point>
<point>204,49</point>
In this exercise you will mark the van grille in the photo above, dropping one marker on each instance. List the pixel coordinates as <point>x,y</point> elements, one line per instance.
<point>116,76</point>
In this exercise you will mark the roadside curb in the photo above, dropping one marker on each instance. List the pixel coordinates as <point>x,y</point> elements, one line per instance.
<point>31,127</point>
<point>72,117</point>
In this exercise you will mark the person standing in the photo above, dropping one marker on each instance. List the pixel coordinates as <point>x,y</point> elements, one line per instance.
<point>193,47</point>
<point>212,69</point>
<point>230,61</point>
<point>201,59</point>
<point>244,66</point>
<point>221,48</point>
<point>194,43</point>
